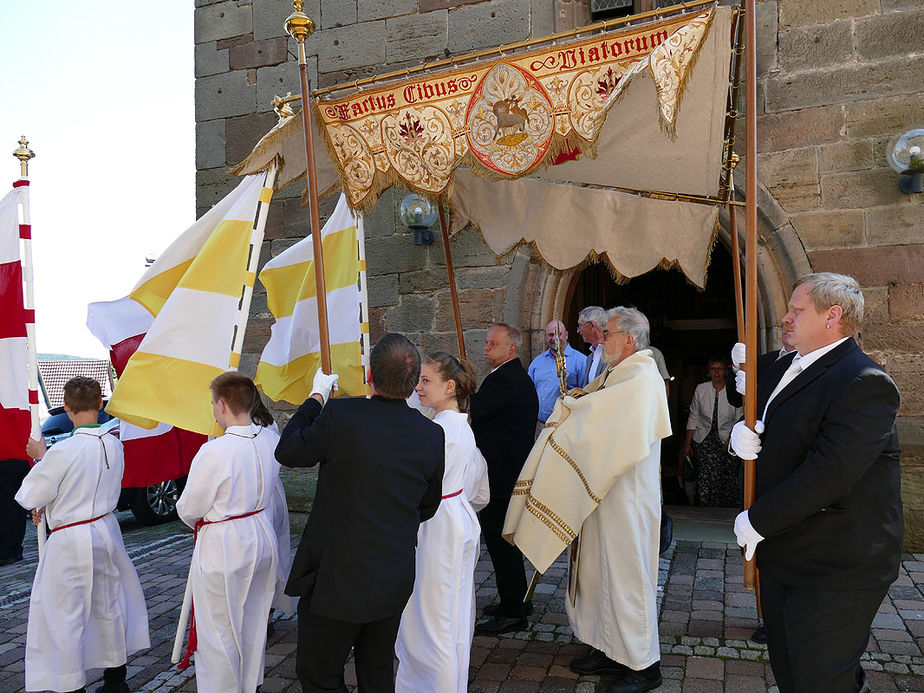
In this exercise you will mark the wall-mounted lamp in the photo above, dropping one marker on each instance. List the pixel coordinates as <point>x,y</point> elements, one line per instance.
<point>418,214</point>
<point>905,155</point>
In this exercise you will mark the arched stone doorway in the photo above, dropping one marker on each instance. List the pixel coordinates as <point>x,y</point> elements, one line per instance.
<point>688,325</point>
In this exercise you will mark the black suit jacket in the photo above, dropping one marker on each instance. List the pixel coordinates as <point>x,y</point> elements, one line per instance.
<point>764,362</point>
<point>380,476</point>
<point>828,474</point>
<point>504,413</point>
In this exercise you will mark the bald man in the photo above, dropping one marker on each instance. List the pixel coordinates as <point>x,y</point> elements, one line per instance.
<point>543,371</point>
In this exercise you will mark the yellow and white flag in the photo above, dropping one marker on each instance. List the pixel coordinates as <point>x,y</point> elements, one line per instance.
<point>293,352</point>
<point>193,292</point>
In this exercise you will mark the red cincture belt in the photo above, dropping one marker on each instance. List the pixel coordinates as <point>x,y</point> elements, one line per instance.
<point>82,522</point>
<point>203,523</point>
<point>193,639</point>
<point>452,495</point>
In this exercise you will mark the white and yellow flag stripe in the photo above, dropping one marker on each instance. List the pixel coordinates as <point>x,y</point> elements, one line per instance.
<point>194,291</point>
<point>292,354</point>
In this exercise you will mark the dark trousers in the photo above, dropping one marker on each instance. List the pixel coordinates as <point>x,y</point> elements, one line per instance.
<point>324,645</point>
<point>12,514</point>
<point>816,637</point>
<point>507,558</point>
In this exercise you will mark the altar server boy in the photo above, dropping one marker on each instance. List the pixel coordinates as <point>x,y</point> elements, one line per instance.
<point>87,609</point>
<point>228,499</point>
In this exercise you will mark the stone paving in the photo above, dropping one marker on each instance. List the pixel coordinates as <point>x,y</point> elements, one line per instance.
<point>706,618</point>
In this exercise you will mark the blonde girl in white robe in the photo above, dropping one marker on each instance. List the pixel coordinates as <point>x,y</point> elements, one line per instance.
<point>86,610</point>
<point>229,494</point>
<point>435,638</point>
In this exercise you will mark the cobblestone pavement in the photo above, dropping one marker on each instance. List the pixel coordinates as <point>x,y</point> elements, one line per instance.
<point>706,618</point>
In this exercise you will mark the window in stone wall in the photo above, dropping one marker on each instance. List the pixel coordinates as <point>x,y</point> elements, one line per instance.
<point>607,9</point>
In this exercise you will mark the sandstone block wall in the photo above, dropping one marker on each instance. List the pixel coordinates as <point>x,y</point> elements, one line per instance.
<point>837,79</point>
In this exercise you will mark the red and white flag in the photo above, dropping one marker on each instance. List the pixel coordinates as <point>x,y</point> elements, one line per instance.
<point>15,396</point>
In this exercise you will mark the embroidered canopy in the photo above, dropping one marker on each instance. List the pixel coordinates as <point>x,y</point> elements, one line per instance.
<point>541,145</point>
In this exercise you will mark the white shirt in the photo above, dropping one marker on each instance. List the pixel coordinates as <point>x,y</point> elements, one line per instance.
<point>597,351</point>
<point>799,364</point>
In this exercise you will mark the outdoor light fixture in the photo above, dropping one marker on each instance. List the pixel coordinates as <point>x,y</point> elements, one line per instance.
<point>418,214</point>
<point>905,155</point>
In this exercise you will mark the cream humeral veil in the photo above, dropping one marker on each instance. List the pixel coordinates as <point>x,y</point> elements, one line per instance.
<point>589,441</point>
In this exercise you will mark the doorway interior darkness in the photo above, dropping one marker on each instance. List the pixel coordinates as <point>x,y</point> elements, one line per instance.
<point>688,325</point>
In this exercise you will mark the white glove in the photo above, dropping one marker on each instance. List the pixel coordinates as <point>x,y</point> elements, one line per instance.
<point>747,536</point>
<point>740,381</point>
<point>738,355</point>
<point>744,442</point>
<point>324,384</point>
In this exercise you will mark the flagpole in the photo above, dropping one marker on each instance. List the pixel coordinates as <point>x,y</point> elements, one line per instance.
<point>256,243</point>
<point>750,365</point>
<point>24,154</point>
<point>299,26</point>
<point>363,294</point>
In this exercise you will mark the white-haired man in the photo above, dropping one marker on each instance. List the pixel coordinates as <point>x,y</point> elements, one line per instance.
<point>590,325</point>
<point>598,472</point>
<point>827,523</point>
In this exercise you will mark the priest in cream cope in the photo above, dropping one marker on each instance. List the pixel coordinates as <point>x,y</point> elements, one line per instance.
<point>594,475</point>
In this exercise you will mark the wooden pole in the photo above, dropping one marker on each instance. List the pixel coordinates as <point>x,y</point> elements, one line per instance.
<point>299,26</point>
<point>736,253</point>
<point>452,279</point>
<point>750,397</point>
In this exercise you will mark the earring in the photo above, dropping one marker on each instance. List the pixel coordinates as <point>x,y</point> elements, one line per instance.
<point>827,326</point>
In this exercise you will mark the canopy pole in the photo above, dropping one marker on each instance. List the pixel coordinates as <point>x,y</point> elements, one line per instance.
<point>735,249</point>
<point>299,26</point>
<point>452,279</point>
<point>750,397</point>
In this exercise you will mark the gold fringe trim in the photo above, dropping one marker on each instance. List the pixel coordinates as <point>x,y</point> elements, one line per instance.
<point>670,128</point>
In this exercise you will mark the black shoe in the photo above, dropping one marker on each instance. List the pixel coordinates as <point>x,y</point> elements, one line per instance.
<point>596,663</point>
<point>759,636</point>
<point>10,560</point>
<point>114,680</point>
<point>494,609</point>
<point>630,681</point>
<point>120,687</point>
<point>501,624</point>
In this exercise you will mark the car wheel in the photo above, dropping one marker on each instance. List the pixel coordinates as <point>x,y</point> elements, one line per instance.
<point>155,504</point>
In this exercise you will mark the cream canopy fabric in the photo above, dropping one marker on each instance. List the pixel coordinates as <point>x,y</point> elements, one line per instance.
<point>641,108</point>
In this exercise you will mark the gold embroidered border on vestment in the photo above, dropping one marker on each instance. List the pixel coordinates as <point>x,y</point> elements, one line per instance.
<point>522,486</point>
<point>549,519</point>
<point>558,448</point>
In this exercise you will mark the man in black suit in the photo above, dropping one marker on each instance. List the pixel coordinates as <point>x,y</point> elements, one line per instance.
<point>380,476</point>
<point>504,413</point>
<point>827,523</point>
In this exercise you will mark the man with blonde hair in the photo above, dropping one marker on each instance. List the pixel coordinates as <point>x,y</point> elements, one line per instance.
<point>827,523</point>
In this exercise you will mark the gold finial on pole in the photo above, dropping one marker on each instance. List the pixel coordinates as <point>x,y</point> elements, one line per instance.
<point>298,24</point>
<point>24,154</point>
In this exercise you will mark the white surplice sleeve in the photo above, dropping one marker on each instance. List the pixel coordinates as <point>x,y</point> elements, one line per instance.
<point>40,486</point>
<point>476,481</point>
<point>201,488</point>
